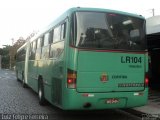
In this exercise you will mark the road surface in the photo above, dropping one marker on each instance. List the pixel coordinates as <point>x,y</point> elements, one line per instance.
<point>16,102</point>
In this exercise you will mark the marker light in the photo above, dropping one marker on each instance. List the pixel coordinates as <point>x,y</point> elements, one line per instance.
<point>146,80</point>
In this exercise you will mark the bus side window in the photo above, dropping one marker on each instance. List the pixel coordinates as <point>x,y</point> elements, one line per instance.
<point>42,44</point>
<point>51,46</point>
<point>34,50</point>
<point>39,43</point>
<point>23,54</point>
<point>45,49</point>
<point>51,36</point>
<point>63,31</point>
<point>57,32</point>
<point>38,51</point>
<point>56,37</point>
<point>46,39</point>
<point>19,56</point>
<point>58,41</point>
<point>30,52</point>
<point>50,41</point>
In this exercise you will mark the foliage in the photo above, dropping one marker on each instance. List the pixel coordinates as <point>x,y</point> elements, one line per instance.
<point>13,49</point>
<point>4,52</point>
<point>8,52</point>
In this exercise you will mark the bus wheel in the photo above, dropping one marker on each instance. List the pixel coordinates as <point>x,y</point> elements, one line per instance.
<point>23,82</point>
<point>41,92</point>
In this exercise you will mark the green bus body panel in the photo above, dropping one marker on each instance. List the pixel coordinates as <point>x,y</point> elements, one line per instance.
<point>74,100</point>
<point>124,79</point>
<point>120,73</point>
<point>32,72</point>
<point>51,71</point>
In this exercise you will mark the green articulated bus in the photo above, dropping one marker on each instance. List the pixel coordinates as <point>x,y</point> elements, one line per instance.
<point>87,59</point>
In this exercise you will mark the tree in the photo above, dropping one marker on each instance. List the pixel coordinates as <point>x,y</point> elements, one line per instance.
<point>4,52</point>
<point>8,53</point>
<point>13,50</point>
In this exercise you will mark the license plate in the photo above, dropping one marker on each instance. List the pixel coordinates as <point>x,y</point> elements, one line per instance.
<point>112,101</point>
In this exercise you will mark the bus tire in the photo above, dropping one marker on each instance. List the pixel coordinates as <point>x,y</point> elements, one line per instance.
<point>41,97</point>
<point>23,81</point>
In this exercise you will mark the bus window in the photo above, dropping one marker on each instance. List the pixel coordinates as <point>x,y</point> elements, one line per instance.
<point>51,36</point>
<point>57,48</point>
<point>109,31</point>
<point>38,50</point>
<point>73,30</point>
<point>45,48</point>
<point>17,57</point>
<point>33,50</point>
<point>34,45</point>
<point>42,42</point>
<point>39,43</point>
<point>20,56</point>
<point>63,31</point>
<point>56,36</point>
<point>46,39</point>
<point>24,54</point>
<point>30,55</point>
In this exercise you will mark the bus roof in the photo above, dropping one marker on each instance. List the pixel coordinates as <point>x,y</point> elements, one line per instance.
<point>103,10</point>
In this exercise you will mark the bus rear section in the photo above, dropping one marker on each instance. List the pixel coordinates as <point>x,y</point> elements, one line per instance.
<point>110,72</point>
<point>99,82</point>
<point>107,62</point>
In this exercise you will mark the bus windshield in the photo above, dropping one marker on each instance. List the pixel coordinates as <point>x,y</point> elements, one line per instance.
<point>97,30</point>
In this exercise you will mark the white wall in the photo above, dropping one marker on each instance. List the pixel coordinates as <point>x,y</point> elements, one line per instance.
<point>153,24</point>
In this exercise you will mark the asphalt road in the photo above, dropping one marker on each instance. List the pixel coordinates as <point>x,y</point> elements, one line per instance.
<point>17,102</point>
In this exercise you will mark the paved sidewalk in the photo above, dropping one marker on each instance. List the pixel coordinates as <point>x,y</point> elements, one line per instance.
<point>153,106</point>
<point>150,108</point>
